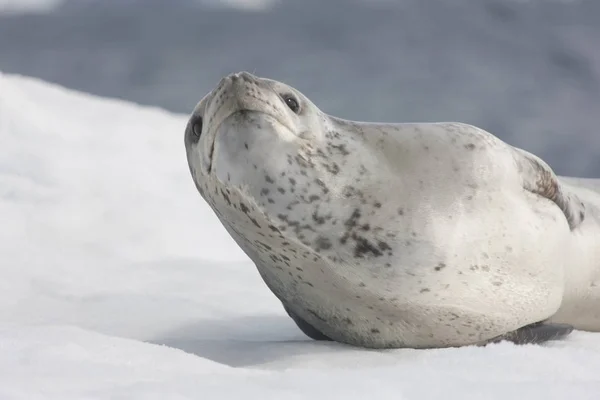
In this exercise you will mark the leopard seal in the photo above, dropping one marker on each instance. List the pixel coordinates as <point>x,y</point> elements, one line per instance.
<point>392,235</point>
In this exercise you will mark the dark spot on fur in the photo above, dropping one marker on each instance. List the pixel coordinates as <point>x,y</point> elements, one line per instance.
<point>317,218</point>
<point>264,192</point>
<point>323,243</point>
<point>377,205</point>
<point>226,197</point>
<point>255,222</point>
<point>383,245</point>
<point>424,290</point>
<point>332,168</point>
<point>341,148</point>
<point>269,179</point>
<point>470,146</point>
<point>440,267</point>
<point>363,246</point>
<point>352,221</point>
<point>281,190</point>
<point>348,191</point>
<point>322,185</point>
<point>344,238</point>
<point>266,246</point>
<point>375,330</point>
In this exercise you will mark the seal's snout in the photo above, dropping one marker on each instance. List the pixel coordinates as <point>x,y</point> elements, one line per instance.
<point>244,77</point>
<point>237,92</point>
<point>245,102</point>
<point>237,83</point>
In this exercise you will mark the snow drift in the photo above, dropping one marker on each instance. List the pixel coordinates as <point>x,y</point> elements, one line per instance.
<point>119,282</point>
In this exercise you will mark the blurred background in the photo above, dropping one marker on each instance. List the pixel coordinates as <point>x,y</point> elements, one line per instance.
<point>527,71</point>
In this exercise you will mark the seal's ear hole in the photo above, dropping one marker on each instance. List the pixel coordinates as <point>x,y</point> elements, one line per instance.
<point>291,102</point>
<point>197,125</point>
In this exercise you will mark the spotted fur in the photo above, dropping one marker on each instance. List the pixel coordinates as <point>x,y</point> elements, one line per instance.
<point>389,235</point>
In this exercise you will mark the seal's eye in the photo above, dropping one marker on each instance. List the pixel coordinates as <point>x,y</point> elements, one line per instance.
<point>291,102</point>
<point>197,125</point>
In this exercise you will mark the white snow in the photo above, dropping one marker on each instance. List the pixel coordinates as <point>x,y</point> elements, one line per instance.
<point>118,282</point>
<point>29,6</point>
<point>242,5</point>
<point>46,6</point>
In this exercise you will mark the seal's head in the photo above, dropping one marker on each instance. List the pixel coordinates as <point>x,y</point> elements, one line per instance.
<point>269,141</point>
<point>248,124</point>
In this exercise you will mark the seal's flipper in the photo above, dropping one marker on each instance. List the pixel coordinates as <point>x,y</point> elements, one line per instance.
<point>535,333</point>
<point>305,327</point>
<point>539,178</point>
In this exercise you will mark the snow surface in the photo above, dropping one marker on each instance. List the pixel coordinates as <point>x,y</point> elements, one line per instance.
<point>29,6</point>
<point>119,282</point>
<point>242,5</point>
<point>47,6</point>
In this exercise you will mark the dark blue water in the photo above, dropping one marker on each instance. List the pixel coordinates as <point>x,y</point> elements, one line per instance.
<point>528,71</point>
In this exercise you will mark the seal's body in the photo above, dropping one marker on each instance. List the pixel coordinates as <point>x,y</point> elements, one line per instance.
<point>395,235</point>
